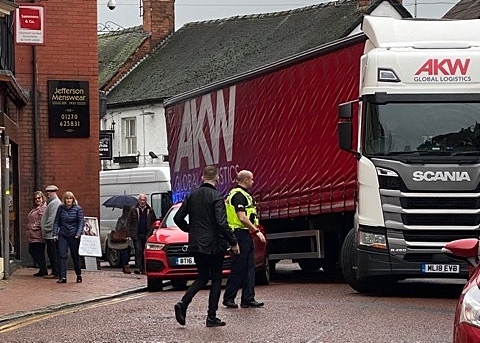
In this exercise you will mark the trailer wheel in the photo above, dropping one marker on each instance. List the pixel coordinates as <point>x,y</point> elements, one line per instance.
<point>348,262</point>
<point>154,284</point>
<point>113,257</point>
<point>262,274</point>
<point>310,264</point>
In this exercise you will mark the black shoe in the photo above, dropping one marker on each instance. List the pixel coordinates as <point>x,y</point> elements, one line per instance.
<point>136,271</point>
<point>180,313</point>
<point>79,279</point>
<point>62,281</point>
<point>40,274</point>
<point>213,322</point>
<point>229,304</point>
<point>252,303</point>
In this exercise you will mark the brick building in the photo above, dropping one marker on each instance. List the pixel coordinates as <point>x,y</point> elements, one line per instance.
<point>52,119</point>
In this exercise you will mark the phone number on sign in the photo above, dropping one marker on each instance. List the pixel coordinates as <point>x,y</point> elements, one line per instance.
<point>70,123</point>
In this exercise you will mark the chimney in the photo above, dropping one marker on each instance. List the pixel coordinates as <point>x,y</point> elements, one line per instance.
<point>158,19</point>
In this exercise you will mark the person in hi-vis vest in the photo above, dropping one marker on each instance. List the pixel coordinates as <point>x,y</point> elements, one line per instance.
<point>242,220</point>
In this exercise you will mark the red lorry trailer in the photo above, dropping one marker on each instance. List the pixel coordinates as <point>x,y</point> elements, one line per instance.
<point>280,122</point>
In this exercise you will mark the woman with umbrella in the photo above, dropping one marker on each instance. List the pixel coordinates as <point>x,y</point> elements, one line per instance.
<point>120,237</point>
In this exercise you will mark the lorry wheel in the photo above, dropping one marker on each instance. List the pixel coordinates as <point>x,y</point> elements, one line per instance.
<point>179,283</point>
<point>113,257</point>
<point>154,284</point>
<point>262,274</point>
<point>310,264</point>
<point>348,262</point>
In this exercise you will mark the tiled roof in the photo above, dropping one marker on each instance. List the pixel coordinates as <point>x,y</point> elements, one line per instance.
<point>464,9</point>
<point>114,50</point>
<point>204,52</point>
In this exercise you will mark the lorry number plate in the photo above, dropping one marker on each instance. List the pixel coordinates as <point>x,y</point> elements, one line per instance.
<point>185,261</point>
<point>440,268</point>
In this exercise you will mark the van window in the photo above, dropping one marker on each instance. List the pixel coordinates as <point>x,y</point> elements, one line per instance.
<point>161,203</point>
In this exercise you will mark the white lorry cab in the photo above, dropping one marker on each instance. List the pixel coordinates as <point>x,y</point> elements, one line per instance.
<point>151,181</point>
<point>417,150</point>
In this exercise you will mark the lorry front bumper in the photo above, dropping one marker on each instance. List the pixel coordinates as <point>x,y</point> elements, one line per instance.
<point>373,264</point>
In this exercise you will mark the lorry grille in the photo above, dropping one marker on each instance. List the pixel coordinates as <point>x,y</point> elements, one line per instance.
<point>440,203</point>
<point>441,219</point>
<point>440,236</point>
<point>426,216</point>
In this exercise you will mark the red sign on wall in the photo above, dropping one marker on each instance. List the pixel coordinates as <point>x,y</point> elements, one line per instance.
<point>30,24</point>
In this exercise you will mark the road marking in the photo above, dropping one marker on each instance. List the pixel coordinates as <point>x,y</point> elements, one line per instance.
<point>34,318</point>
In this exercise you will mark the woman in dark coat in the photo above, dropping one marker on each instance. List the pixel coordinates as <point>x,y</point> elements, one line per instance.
<point>67,229</point>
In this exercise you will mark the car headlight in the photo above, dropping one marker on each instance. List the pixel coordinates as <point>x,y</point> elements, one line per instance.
<point>470,312</point>
<point>155,246</point>
<point>372,240</point>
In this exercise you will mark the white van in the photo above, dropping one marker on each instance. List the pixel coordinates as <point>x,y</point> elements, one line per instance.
<point>152,181</point>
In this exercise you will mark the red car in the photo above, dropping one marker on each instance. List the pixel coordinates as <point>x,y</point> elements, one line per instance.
<point>167,257</point>
<point>467,314</point>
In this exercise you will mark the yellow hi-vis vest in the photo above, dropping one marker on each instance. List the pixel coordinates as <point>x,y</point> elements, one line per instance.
<point>251,210</point>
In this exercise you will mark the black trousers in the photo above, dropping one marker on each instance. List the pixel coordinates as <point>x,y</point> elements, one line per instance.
<point>37,251</point>
<point>139,245</point>
<point>52,255</point>
<point>242,274</point>
<point>209,267</point>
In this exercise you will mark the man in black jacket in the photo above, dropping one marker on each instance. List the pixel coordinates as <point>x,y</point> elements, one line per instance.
<point>208,238</point>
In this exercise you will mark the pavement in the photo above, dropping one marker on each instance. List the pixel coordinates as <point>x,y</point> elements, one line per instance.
<point>25,295</point>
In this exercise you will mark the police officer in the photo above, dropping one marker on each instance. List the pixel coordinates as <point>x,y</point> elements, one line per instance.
<point>242,219</point>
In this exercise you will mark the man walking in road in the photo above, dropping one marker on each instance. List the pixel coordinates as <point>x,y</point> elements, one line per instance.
<point>46,225</point>
<point>208,240</point>
<point>242,219</point>
<point>140,226</point>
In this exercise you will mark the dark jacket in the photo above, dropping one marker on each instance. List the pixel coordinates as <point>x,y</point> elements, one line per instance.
<point>207,227</point>
<point>132,221</point>
<point>69,221</point>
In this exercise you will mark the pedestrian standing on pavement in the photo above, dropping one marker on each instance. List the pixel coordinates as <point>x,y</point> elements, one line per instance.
<point>208,239</point>
<point>47,229</point>
<point>140,226</point>
<point>123,245</point>
<point>36,242</point>
<point>67,229</point>
<point>243,221</point>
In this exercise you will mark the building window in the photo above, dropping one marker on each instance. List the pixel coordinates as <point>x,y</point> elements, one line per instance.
<point>130,130</point>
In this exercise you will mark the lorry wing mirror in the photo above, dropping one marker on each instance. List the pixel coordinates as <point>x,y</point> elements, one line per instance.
<point>345,135</point>
<point>345,111</point>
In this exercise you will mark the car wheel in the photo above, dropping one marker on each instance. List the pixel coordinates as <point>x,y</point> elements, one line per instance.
<point>113,257</point>
<point>310,264</point>
<point>154,284</point>
<point>262,274</point>
<point>348,262</point>
<point>179,283</point>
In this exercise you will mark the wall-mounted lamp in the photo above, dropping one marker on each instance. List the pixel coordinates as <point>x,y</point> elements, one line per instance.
<point>112,126</point>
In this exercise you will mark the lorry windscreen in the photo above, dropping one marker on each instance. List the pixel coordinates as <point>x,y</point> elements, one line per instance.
<point>422,129</point>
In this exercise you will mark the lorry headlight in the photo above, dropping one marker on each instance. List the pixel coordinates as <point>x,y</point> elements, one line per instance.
<point>372,240</point>
<point>470,312</point>
<point>155,246</point>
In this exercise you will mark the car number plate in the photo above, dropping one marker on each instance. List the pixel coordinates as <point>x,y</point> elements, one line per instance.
<point>440,268</point>
<point>185,261</point>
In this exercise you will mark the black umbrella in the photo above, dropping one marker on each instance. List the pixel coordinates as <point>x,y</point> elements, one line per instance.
<point>120,201</point>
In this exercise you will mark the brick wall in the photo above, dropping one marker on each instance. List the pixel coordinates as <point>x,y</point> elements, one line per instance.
<point>69,53</point>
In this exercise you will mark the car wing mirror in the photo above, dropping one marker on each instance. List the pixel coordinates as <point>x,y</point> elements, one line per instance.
<point>464,249</point>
